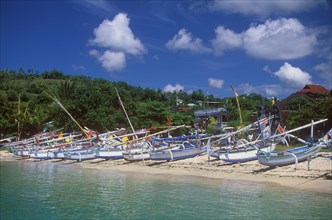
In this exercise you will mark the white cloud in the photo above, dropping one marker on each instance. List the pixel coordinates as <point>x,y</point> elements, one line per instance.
<point>293,77</point>
<point>112,61</point>
<point>76,67</point>
<point>216,83</point>
<point>183,40</point>
<point>94,53</point>
<point>170,88</point>
<point>279,39</point>
<point>225,39</point>
<point>246,88</point>
<point>117,36</point>
<point>262,8</point>
<point>265,90</point>
<point>267,69</point>
<point>325,71</point>
<point>272,90</point>
<point>100,4</point>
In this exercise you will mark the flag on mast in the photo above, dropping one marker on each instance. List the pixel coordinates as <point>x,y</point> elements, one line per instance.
<point>238,104</point>
<point>169,121</point>
<point>280,129</point>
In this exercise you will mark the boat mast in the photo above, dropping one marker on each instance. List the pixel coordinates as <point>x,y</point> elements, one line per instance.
<point>132,128</point>
<point>72,118</point>
<point>238,105</point>
<point>18,119</point>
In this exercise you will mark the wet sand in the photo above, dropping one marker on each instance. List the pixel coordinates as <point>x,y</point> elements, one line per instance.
<point>317,179</point>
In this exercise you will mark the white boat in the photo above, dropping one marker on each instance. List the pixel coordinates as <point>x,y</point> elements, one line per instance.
<point>42,154</point>
<point>288,157</point>
<point>110,153</point>
<point>294,155</point>
<point>23,152</point>
<point>139,153</point>
<point>182,151</point>
<point>80,155</point>
<point>244,154</point>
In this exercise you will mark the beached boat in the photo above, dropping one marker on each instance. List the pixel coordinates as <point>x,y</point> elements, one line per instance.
<point>76,146</point>
<point>42,154</point>
<point>136,155</point>
<point>243,154</point>
<point>80,155</point>
<point>187,149</point>
<point>139,152</point>
<point>288,157</point>
<point>229,149</point>
<point>142,149</point>
<point>113,149</point>
<point>24,151</point>
<point>294,155</point>
<point>110,153</point>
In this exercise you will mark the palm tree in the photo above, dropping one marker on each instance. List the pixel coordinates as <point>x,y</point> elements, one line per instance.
<point>65,89</point>
<point>21,117</point>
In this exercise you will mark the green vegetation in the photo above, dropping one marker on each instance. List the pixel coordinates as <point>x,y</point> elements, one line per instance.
<point>26,107</point>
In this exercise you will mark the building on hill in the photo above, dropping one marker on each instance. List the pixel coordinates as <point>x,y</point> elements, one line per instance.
<point>219,114</point>
<point>310,92</point>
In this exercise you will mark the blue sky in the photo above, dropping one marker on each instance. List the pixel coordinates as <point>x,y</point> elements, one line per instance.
<point>270,47</point>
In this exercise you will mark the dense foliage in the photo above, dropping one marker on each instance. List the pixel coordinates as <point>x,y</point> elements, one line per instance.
<point>25,105</point>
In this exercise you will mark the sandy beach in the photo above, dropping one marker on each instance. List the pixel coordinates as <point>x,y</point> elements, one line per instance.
<point>317,179</point>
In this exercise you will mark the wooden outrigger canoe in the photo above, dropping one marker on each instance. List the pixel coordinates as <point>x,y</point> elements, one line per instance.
<point>288,157</point>
<point>294,155</point>
<point>187,149</point>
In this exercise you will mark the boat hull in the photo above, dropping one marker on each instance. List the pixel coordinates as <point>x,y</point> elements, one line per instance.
<point>136,156</point>
<point>110,154</point>
<point>80,155</point>
<point>177,154</point>
<point>42,155</point>
<point>285,158</point>
<point>243,155</point>
<point>23,153</point>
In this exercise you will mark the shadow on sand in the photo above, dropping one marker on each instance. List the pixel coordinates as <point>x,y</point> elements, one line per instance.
<point>262,170</point>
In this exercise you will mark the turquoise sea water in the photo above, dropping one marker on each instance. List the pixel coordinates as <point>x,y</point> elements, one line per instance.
<point>49,190</point>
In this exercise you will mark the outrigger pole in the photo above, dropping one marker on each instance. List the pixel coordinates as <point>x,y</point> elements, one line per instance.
<point>238,105</point>
<point>72,118</point>
<point>132,128</point>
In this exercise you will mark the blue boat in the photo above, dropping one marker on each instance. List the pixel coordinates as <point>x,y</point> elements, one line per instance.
<point>185,150</point>
<point>295,155</point>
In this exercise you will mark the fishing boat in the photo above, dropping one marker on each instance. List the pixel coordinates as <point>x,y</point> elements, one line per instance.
<point>143,149</point>
<point>86,154</point>
<point>42,154</point>
<point>24,151</point>
<point>288,157</point>
<point>136,155</point>
<point>27,146</point>
<point>110,153</point>
<point>187,149</point>
<point>243,154</point>
<point>45,150</point>
<point>75,146</point>
<point>294,155</point>
<point>114,147</point>
<point>228,149</point>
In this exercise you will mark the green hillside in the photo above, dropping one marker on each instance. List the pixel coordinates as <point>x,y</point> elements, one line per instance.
<point>26,107</point>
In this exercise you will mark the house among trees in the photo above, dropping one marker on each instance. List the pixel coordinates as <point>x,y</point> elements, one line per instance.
<point>219,114</point>
<point>310,92</point>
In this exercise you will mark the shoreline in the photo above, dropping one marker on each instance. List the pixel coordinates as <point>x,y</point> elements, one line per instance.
<point>317,179</point>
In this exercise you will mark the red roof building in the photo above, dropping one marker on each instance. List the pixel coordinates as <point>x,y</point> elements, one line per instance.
<point>309,91</point>
<point>313,89</point>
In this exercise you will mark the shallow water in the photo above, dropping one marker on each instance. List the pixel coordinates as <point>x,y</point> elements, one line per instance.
<point>47,190</point>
